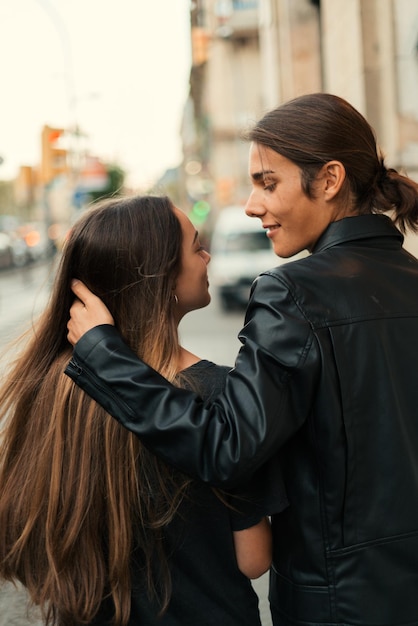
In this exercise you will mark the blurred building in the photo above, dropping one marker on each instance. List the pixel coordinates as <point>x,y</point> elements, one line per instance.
<point>369,55</point>
<point>224,99</point>
<point>251,55</point>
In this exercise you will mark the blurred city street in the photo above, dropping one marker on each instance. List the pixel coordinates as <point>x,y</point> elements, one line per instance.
<point>210,333</point>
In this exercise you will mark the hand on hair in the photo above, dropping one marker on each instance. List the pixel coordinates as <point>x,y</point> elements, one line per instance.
<point>86,312</point>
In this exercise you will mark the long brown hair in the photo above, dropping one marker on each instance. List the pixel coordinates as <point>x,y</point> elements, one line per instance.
<point>79,492</point>
<point>316,128</point>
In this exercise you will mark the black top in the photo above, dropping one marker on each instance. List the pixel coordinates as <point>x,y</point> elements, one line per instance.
<point>208,588</point>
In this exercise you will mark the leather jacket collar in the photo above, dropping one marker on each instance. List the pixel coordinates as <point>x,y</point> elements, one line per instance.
<point>359,227</point>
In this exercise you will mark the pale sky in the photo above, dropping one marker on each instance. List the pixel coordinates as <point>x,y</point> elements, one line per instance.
<point>118,68</point>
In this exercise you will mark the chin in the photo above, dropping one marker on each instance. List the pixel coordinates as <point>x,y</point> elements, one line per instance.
<point>206,301</point>
<point>285,252</point>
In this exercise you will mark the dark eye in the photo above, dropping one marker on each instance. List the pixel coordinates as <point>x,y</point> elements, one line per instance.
<point>270,187</point>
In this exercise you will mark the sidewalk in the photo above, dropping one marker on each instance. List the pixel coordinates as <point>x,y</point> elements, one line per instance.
<point>14,608</point>
<point>13,605</point>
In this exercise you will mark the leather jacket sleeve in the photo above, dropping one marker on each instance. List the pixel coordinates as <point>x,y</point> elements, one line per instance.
<point>268,394</point>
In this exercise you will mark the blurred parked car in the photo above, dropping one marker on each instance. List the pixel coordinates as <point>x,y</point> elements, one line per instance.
<point>240,250</point>
<point>19,250</point>
<point>23,243</point>
<point>9,223</point>
<point>17,255</point>
<point>38,243</point>
<point>5,251</point>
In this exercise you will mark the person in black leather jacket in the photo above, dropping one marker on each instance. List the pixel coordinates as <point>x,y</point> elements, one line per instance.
<point>325,381</point>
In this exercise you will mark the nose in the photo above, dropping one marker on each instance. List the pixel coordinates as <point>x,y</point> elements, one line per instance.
<point>253,208</point>
<point>207,257</point>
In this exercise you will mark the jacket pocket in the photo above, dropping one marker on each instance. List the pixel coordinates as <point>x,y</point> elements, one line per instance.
<point>376,582</point>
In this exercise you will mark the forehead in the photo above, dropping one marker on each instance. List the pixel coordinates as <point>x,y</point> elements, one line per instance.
<point>263,160</point>
<point>187,227</point>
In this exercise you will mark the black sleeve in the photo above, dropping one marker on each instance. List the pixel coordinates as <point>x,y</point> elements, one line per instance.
<point>267,396</point>
<point>264,493</point>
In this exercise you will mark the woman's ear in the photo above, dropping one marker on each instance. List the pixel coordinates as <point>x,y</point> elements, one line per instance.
<point>333,178</point>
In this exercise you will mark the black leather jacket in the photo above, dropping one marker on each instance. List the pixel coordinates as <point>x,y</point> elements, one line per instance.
<point>326,379</point>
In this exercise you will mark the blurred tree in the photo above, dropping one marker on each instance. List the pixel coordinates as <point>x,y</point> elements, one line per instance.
<point>116,179</point>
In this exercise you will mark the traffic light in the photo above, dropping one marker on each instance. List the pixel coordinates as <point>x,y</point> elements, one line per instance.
<point>200,45</point>
<point>54,158</point>
<point>200,212</point>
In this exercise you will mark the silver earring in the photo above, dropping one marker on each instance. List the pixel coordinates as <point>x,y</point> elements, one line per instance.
<point>176,300</point>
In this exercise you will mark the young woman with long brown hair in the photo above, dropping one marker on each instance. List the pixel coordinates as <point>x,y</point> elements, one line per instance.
<point>97,528</point>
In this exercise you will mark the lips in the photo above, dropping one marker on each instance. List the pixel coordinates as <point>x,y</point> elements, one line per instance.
<point>270,230</point>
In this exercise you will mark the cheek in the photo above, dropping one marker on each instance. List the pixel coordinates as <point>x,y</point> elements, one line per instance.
<point>280,205</point>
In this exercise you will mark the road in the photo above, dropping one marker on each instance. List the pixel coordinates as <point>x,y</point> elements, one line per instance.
<point>23,294</point>
<point>210,333</point>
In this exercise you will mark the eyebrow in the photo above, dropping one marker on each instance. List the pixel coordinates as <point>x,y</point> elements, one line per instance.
<point>257,176</point>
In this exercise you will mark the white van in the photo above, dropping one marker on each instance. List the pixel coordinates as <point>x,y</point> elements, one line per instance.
<point>240,250</point>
